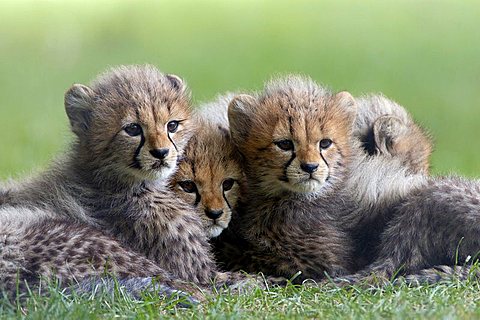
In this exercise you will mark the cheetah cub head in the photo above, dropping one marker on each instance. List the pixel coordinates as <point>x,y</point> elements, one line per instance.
<point>209,176</point>
<point>295,136</point>
<point>132,122</point>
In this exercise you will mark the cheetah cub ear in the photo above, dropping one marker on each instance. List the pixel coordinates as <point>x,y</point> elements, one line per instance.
<point>240,111</point>
<point>387,130</point>
<point>176,82</point>
<point>348,107</point>
<point>78,105</point>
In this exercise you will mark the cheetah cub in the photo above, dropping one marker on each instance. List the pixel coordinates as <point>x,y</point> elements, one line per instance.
<point>131,126</point>
<point>317,202</point>
<point>280,228</point>
<point>307,175</point>
<point>209,175</point>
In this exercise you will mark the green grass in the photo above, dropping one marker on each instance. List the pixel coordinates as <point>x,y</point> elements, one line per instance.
<point>454,300</point>
<point>423,54</point>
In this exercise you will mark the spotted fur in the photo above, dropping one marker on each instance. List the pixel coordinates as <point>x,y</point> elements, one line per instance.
<point>326,218</point>
<point>431,237</point>
<point>131,126</point>
<point>71,253</point>
<point>284,223</point>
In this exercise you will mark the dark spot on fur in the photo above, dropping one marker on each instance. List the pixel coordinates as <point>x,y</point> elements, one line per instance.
<point>37,250</point>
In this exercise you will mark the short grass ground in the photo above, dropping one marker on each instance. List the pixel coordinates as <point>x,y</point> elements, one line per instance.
<point>424,54</point>
<point>456,300</point>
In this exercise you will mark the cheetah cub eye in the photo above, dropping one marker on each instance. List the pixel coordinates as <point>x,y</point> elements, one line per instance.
<point>133,129</point>
<point>172,126</point>
<point>228,184</point>
<point>325,143</point>
<point>188,186</point>
<point>285,145</point>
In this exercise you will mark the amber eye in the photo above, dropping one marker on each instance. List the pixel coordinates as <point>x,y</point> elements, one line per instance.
<point>133,129</point>
<point>188,186</point>
<point>325,143</point>
<point>285,145</point>
<point>227,184</point>
<point>172,126</point>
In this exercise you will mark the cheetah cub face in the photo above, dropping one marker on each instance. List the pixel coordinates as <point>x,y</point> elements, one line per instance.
<point>295,135</point>
<point>209,177</point>
<point>132,120</point>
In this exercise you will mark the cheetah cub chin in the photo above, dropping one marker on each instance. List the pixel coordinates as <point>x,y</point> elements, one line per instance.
<point>209,175</point>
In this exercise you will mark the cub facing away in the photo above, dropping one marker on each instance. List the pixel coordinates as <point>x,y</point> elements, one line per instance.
<point>388,132</point>
<point>209,175</point>
<point>131,126</point>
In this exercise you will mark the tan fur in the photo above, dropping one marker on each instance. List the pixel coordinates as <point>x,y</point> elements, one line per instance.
<point>283,225</point>
<point>385,128</point>
<point>326,220</point>
<point>378,209</point>
<point>292,109</point>
<point>113,177</point>
<point>210,163</point>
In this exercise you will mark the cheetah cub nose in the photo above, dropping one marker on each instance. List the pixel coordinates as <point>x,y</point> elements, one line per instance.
<point>213,214</point>
<point>309,167</point>
<point>160,153</point>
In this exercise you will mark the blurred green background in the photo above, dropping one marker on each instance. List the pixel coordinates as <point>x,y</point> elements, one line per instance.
<point>423,54</point>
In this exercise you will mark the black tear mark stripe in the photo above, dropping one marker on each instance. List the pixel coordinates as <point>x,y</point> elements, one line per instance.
<point>192,165</point>
<point>136,161</point>
<point>294,155</point>
<point>323,158</point>
<point>289,162</point>
<point>225,198</point>
<point>174,145</point>
<point>198,197</point>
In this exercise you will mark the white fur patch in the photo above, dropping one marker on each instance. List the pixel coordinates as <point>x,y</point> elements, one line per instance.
<point>380,180</point>
<point>20,216</point>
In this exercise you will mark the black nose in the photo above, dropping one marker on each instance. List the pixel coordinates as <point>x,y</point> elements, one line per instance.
<point>309,167</point>
<point>159,153</point>
<point>213,214</point>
